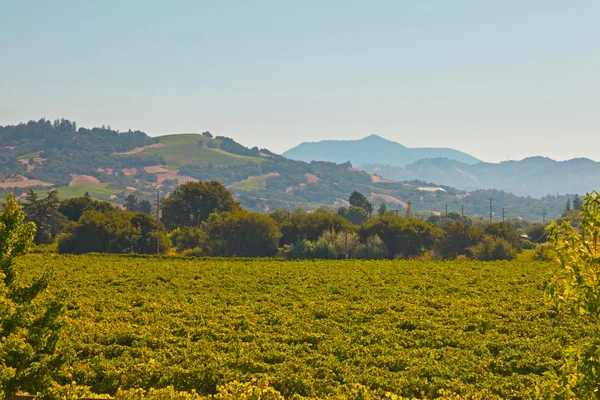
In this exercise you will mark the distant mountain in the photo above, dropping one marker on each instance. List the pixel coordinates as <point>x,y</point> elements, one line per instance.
<point>110,165</point>
<point>371,150</point>
<point>534,176</point>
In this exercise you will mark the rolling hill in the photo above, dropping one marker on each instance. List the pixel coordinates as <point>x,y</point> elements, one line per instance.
<point>533,176</point>
<point>109,165</point>
<point>371,150</point>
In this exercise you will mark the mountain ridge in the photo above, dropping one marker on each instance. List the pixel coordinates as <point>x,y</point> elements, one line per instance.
<point>369,149</point>
<point>534,176</point>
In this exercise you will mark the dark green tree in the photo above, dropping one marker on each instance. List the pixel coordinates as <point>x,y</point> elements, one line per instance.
<point>311,226</point>
<point>504,231</point>
<point>356,215</point>
<point>577,203</point>
<point>537,233</point>
<point>193,202</point>
<point>568,205</point>
<point>457,239</point>
<point>75,207</point>
<point>402,237</point>
<point>358,199</point>
<point>45,214</point>
<point>240,234</point>
<point>113,231</point>
<point>29,327</point>
<point>382,210</point>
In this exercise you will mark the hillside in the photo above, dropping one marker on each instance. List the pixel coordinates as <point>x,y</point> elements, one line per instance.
<point>370,150</point>
<point>534,176</point>
<point>110,165</point>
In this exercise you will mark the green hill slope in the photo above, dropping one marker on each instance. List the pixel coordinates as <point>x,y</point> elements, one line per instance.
<point>187,149</point>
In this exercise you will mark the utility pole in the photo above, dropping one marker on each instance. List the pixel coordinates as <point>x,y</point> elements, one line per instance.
<point>544,213</point>
<point>502,214</point>
<point>158,215</point>
<point>491,213</point>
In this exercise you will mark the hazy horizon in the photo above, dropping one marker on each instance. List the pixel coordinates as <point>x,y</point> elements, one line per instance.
<point>504,80</point>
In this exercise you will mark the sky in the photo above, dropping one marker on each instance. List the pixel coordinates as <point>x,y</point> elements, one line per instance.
<point>500,80</point>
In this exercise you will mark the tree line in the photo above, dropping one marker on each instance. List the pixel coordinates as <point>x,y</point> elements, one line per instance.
<point>204,219</point>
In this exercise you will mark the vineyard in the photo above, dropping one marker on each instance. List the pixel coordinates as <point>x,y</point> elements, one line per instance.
<point>316,329</point>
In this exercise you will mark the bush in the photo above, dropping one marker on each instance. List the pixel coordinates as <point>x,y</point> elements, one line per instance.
<point>402,237</point>
<point>504,230</point>
<point>493,248</point>
<point>332,245</point>
<point>457,240</point>
<point>114,231</point>
<point>545,252</point>
<point>311,226</point>
<point>187,238</point>
<point>240,234</point>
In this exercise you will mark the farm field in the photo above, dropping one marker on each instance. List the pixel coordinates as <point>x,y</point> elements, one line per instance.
<point>316,329</point>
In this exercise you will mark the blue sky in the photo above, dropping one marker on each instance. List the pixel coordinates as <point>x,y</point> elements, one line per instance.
<point>496,79</point>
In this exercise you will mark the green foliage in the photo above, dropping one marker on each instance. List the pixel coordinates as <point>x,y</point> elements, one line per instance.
<point>336,245</point>
<point>356,215</point>
<point>192,203</point>
<point>75,207</point>
<point>187,238</point>
<point>358,199</point>
<point>45,214</point>
<point>537,233</point>
<point>504,230</point>
<point>29,327</point>
<point>382,210</point>
<point>493,248</point>
<point>458,238</point>
<point>310,226</point>
<point>402,237</point>
<point>241,234</point>
<point>134,205</point>
<point>545,252</point>
<point>576,291</point>
<point>317,329</point>
<point>113,231</point>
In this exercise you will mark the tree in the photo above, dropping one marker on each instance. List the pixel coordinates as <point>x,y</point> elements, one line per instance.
<point>492,248</point>
<point>576,291</point>
<point>568,205</point>
<point>45,214</point>
<point>193,202</point>
<point>75,207</point>
<point>382,210</point>
<point>358,199</point>
<point>457,239</point>
<point>504,230</point>
<point>240,234</point>
<point>409,209</point>
<point>402,237</point>
<point>113,231</point>
<point>577,203</point>
<point>356,215</point>
<point>310,226</point>
<point>29,327</point>
<point>537,233</point>
<point>131,203</point>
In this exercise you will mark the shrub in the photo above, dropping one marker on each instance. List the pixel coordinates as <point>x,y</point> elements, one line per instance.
<point>457,240</point>
<point>402,237</point>
<point>114,231</point>
<point>240,234</point>
<point>493,248</point>
<point>187,238</point>
<point>544,252</point>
